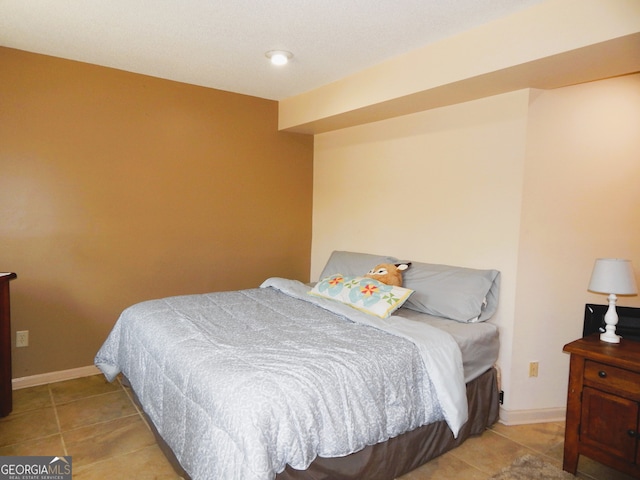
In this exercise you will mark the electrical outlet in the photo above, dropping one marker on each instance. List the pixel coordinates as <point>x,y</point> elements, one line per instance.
<point>533,369</point>
<point>22,338</point>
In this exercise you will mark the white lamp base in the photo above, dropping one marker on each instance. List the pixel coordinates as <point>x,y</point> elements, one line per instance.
<point>611,319</point>
<point>610,337</point>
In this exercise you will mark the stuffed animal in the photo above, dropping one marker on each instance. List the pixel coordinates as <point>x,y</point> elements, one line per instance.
<point>388,273</point>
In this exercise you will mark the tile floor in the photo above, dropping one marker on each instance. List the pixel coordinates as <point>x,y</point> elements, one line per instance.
<point>98,424</point>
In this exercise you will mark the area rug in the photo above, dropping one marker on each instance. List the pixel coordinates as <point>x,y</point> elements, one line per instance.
<point>530,467</point>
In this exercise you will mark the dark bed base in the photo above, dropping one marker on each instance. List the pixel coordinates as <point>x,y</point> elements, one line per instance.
<point>399,455</point>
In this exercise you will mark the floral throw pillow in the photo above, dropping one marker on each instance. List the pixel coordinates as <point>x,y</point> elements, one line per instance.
<point>364,294</point>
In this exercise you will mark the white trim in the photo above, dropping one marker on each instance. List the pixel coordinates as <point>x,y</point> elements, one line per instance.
<point>542,415</point>
<point>51,377</point>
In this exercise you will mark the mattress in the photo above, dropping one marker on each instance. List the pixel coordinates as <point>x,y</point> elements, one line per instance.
<point>247,376</point>
<point>396,456</point>
<point>479,343</point>
<point>261,383</point>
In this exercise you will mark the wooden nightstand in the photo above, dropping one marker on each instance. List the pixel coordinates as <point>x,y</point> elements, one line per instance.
<point>603,404</point>
<point>6,403</point>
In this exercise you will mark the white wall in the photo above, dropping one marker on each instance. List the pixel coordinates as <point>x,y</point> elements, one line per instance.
<point>581,201</point>
<point>508,182</point>
<point>440,186</point>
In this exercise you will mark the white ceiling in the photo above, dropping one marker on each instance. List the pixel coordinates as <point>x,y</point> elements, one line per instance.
<point>221,43</point>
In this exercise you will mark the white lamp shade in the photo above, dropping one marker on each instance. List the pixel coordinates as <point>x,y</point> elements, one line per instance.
<point>613,275</point>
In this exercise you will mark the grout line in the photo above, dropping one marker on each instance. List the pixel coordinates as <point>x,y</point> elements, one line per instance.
<point>129,395</point>
<point>22,442</point>
<point>101,422</point>
<point>95,395</point>
<point>55,412</point>
<point>545,454</point>
<point>117,456</point>
<point>69,402</point>
<point>534,450</point>
<point>459,455</point>
<point>462,460</point>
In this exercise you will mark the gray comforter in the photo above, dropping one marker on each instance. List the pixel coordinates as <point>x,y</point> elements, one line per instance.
<point>241,383</point>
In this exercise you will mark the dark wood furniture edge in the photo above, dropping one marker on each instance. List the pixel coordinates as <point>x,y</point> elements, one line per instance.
<point>625,355</point>
<point>6,393</point>
<point>574,407</point>
<point>596,349</point>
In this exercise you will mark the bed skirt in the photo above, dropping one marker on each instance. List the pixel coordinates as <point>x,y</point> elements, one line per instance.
<point>398,455</point>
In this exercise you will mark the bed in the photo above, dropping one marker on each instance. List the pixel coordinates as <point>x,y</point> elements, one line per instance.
<point>287,382</point>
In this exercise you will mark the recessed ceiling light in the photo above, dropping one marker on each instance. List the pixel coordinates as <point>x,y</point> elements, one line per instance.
<point>279,57</point>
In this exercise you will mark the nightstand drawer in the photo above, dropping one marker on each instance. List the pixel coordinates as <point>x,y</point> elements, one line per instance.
<point>607,377</point>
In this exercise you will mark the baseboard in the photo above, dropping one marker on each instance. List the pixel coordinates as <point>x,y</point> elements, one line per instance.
<point>542,415</point>
<point>51,377</point>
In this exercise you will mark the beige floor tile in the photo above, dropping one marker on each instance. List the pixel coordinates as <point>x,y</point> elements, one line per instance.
<point>95,409</point>
<point>78,388</point>
<point>51,445</point>
<point>109,439</point>
<point>146,464</point>
<point>489,452</point>
<point>446,467</point>
<point>556,453</point>
<point>31,398</point>
<point>21,427</point>
<point>541,437</point>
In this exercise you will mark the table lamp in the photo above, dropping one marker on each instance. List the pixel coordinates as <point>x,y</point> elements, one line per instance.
<point>613,276</point>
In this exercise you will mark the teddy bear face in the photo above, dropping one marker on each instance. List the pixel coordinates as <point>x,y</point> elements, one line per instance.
<point>388,273</point>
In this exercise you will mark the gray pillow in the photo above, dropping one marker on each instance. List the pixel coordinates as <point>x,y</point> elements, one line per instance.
<point>353,263</point>
<point>462,294</point>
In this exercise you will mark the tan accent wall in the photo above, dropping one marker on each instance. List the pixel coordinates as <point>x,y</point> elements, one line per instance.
<point>117,188</point>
